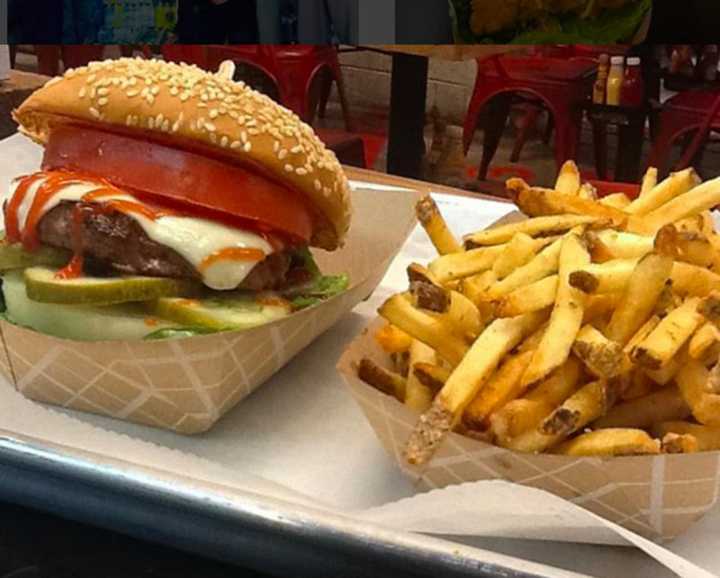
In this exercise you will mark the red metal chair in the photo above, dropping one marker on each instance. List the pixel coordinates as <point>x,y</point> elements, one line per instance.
<point>682,115</point>
<point>293,70</point>
<point>72,56</point>
<point>560,84</point>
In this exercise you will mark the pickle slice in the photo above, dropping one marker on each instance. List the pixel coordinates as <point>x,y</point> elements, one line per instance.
<point>42,285</point>
<point>223,312</point>
<point>13,256</point>
<point>129,321</point>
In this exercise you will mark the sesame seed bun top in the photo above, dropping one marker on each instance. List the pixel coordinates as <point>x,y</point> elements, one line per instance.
<point>188,105</point>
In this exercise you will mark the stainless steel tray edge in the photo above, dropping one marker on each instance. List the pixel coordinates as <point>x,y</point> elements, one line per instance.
<point>255,531</point>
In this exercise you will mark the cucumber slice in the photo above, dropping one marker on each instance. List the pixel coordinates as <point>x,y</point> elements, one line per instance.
<point>42,286</point>
<point>13,256</point>
<point>230,311</point>
<point>81,323</point>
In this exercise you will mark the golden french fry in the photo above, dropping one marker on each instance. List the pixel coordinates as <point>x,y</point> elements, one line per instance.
<point>432,331</point>
<point>606,277</point>
<point>475,288</point>
<point>435,226</point>
<point>589,192</point>
<point>644,287</point>
<point>533,297</point>
<point>502,387</point>
<point>522,415</point>
<point>544,264</point>
<point>710,307</point>
<point>666,404</point>
<point>649,182</point>
<point>608,245</point>
<point>458,311</point>
<point>537,202</point>
<point>669,336</point>
<point>610,442</point>
<point>616,200</point>
<point>417,395</point>
<point>694,248</point>
<point>383,379</point>
<point>639,385</point>
<point>699,199</point>
<point>641,334</point>
<point>692,380</point>
<point>418,274</point>
<point>584,406</point>
<point>600,306</point>
<point>453,266</point>
<point>566,318</point>
<point>431,375</point>
<point>667,372</point>
<point>704,338</point>
<point>537,227</point>
<point>675,185</point>
<point>392,339</point>
<point>568,181</point>
<point>673,443</point>
<point>707,437</point>
<point>692,281</point>
<point>518,252</point>
<point>602,357</point>
<point>499,338</point>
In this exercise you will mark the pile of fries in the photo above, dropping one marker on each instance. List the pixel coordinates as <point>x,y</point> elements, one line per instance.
<point>592,327</point>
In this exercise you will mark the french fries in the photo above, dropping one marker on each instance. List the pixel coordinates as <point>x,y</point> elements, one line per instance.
<point>566,318</point>
<point>643,290</point>
<point>611,442</point>
<point>592,328</point>
<point>658,348</point>
<point>418,396</point>
<point>537,202</point>
<point>666,404</point>
<point>601,356</point>
<point>432,221</point>
<point>675,185</point>
<point>537,227</point>
<point>432,331</point>
<point>707,437</point>
<point>692,380</point>
<point>568,181</point>
<point>465,382</point>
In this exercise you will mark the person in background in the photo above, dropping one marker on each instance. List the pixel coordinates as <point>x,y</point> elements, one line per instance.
<point>328,21</point>
<point>217,22</point>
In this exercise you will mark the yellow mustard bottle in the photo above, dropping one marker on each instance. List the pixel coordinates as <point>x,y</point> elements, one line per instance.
<point>615,80</point>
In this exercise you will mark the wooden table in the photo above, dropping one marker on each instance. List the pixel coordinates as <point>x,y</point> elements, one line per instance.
<point>13,92</point>
<point>406,144</point>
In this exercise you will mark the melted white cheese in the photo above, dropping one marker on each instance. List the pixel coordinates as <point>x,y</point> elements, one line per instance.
<point>195,239</point>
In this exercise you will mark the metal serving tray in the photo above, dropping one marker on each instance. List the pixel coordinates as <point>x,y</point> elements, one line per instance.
<point>254,531</point>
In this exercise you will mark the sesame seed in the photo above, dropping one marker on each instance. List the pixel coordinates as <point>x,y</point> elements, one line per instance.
<point>248,147</point>
<point>103,101</point>
<point>95,112</point>
<point>213,138</point>
<point>235,144</point>
<point>176,126</point>
<point>155,90</point>
<point>224,141</point>
<point>166,125</point>
<point>301,171</point>
<point>296,150</point>
<point>289,169</point>
<point>103,91</point>
<point>184,96</point>
<point>151,122</point>
<point>318,185</point>
<point>82,92</point>
<point>213,113</point>
<point>132,93</point>
<point>91,79</point>
<point>159,119</point>
<point>276,146</point>
<point>174,91</point>
<point>128,120</point>
<point>282,154</point>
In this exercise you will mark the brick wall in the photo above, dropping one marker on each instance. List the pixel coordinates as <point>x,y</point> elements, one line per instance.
<point>367,76</point>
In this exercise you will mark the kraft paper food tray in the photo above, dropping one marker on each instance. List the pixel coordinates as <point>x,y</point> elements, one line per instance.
<point>658,497</point>
<point>187,385</point>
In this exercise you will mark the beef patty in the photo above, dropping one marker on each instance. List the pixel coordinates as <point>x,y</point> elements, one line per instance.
<point>119,242</point>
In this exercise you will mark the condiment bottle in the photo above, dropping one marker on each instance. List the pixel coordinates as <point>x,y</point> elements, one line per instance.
<point>600,86</point>
<point>633,87</point>
<point>707,69</point>
<point>615,80</point>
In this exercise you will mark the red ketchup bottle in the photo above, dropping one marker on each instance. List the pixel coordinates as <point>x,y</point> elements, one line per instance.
<point>633,88</point>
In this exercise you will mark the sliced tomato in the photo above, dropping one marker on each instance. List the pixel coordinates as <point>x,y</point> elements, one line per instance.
<point>182,178</point>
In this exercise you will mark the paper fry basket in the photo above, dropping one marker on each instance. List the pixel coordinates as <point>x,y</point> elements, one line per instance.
<point>187,385</point>
<point>658,497</point>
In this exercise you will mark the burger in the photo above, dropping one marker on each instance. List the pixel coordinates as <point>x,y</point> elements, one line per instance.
<point>170,202</point>
<point>549,21</point>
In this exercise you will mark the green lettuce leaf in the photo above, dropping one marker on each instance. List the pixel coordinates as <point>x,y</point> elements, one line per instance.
<point>321,289</point>
<point>178,333</point>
